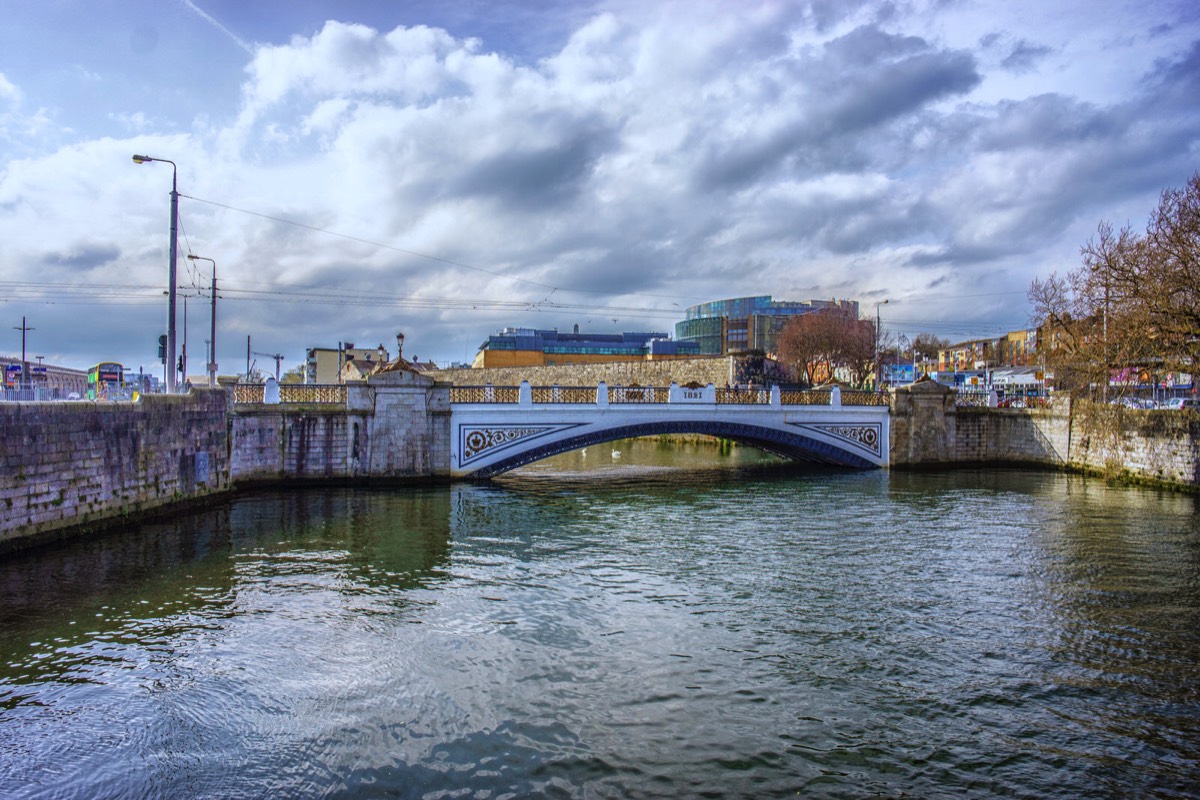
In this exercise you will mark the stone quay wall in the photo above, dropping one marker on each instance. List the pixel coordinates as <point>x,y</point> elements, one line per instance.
<point>84,465</point>
<point>395,428</point>
<point>273,443</point>
<point>1155,446</point>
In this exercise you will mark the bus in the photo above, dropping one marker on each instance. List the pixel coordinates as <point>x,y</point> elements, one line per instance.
<point>104,381</point>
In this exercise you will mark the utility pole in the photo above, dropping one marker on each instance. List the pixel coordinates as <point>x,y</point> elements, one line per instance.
<point>878,366</point>
<point>212,353</point>
<point>24,364</point>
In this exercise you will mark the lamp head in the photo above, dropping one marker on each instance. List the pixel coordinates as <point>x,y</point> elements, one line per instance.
<point>141,159</point>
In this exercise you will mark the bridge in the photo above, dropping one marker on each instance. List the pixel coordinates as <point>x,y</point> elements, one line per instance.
<point>494,429</point>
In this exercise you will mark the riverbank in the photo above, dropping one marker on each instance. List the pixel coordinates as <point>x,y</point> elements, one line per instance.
<point>74,468</point>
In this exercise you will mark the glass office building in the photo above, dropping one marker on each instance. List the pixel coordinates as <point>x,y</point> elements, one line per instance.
<point>530,347</point>
<point>744,324</point>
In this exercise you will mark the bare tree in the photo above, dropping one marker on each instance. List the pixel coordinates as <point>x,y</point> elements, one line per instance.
<point>817,344</point>
<point>1134,303</point>
<point>927,344</point>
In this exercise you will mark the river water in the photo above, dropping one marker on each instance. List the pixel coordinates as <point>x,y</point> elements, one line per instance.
<point>658,622</point>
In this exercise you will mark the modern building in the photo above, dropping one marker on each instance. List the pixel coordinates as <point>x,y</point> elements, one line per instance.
<point>1014,349</point>
<point>1019,348</point>
<point>324,364</point>
<point>965,356</point>
<point>742,324</point>
<point>527,347</point>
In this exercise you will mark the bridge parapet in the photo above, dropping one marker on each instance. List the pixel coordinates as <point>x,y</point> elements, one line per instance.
<point>307,393</point>
<point>604,395</point>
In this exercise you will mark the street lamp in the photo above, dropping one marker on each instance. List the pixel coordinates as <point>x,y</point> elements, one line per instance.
<point>212,361</point>
<point>878,366</point>
<point>170,266</point>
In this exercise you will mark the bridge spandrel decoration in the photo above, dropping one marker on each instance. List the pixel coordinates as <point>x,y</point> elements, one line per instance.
<point>476,441</point>
<point>867,436</point>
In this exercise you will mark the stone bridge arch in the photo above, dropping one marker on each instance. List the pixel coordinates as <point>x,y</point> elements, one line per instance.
<point>497,429</point>
<point>795,446</point>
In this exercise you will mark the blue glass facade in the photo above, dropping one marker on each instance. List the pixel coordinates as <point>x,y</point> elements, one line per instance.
<point>741,324</point>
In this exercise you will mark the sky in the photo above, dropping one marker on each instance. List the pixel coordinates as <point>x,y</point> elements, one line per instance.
<point>447,168</point>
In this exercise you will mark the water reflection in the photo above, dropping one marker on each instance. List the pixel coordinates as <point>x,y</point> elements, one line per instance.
<point>751,630</point>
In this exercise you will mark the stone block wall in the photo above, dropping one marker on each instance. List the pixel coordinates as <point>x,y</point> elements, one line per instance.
<point>1161,446</point>
<point>77,463</point>
<point>923,429</point>
<point>717,370</point>
<point>270,444</point>
<point>394,428</point>
<point>1003,435</point>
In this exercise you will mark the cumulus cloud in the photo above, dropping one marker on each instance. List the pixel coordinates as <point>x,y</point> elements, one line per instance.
<point>660,154</point>
<point>9,94</point>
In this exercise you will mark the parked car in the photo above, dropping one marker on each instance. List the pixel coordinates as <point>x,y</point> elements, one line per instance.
<point>1191,403</point>
<point>1174,402</point>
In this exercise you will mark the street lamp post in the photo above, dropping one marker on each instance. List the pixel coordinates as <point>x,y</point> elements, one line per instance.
<point>212,361</point>
<point>170,266</point>
<point>878,366</point>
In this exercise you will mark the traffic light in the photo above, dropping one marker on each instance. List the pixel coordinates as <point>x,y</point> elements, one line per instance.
<point>162,348</point>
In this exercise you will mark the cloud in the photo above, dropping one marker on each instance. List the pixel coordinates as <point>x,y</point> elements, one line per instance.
<point>1024,57</point>
<point>9,93</point>
<point>655,156</point>
<point>84,256</point>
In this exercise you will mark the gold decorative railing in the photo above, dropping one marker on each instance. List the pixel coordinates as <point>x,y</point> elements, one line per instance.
<point>743,396</point>
<point>485,394</point>
<point>638,394</point>
<point>864,399</point>
<point>312,393</point>
<point>811,397</point>
<point>564,394</point>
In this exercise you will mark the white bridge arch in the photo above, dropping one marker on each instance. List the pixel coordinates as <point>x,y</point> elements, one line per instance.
<point>497,428</point>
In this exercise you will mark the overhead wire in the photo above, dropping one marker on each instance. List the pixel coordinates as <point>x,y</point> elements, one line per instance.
<point>427,256</point>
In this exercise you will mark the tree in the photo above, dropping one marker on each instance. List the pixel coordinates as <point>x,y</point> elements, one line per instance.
<point>928,345</point>
<point>817,344</point>
<point>1134,303</point>
<point>293,375</point>
<point>1169,293</point>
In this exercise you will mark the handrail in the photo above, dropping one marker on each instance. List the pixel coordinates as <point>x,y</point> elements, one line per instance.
<point>307,393</point>
<point>652,395</point>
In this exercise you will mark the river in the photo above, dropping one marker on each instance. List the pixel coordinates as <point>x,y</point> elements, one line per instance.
<point>639,620</point>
